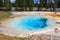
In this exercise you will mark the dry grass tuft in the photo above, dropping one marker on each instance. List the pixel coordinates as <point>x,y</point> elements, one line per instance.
<point>4,15</point>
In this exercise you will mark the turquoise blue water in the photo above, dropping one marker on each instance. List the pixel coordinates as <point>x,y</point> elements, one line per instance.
<point>30,23</point>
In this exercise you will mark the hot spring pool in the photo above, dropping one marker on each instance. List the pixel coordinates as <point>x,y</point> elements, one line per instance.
<point>32,23</point>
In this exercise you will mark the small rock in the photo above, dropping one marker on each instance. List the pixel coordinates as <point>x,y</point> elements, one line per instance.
<point>56,30</point>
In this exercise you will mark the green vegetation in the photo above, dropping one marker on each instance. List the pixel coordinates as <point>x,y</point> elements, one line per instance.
<point>23,5</point>
<point>40,6</point>
<point>1,4</point>
<point>20,4</point>
<point>30,4</point>
<point>4,15</point>
<point>8,5</point>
